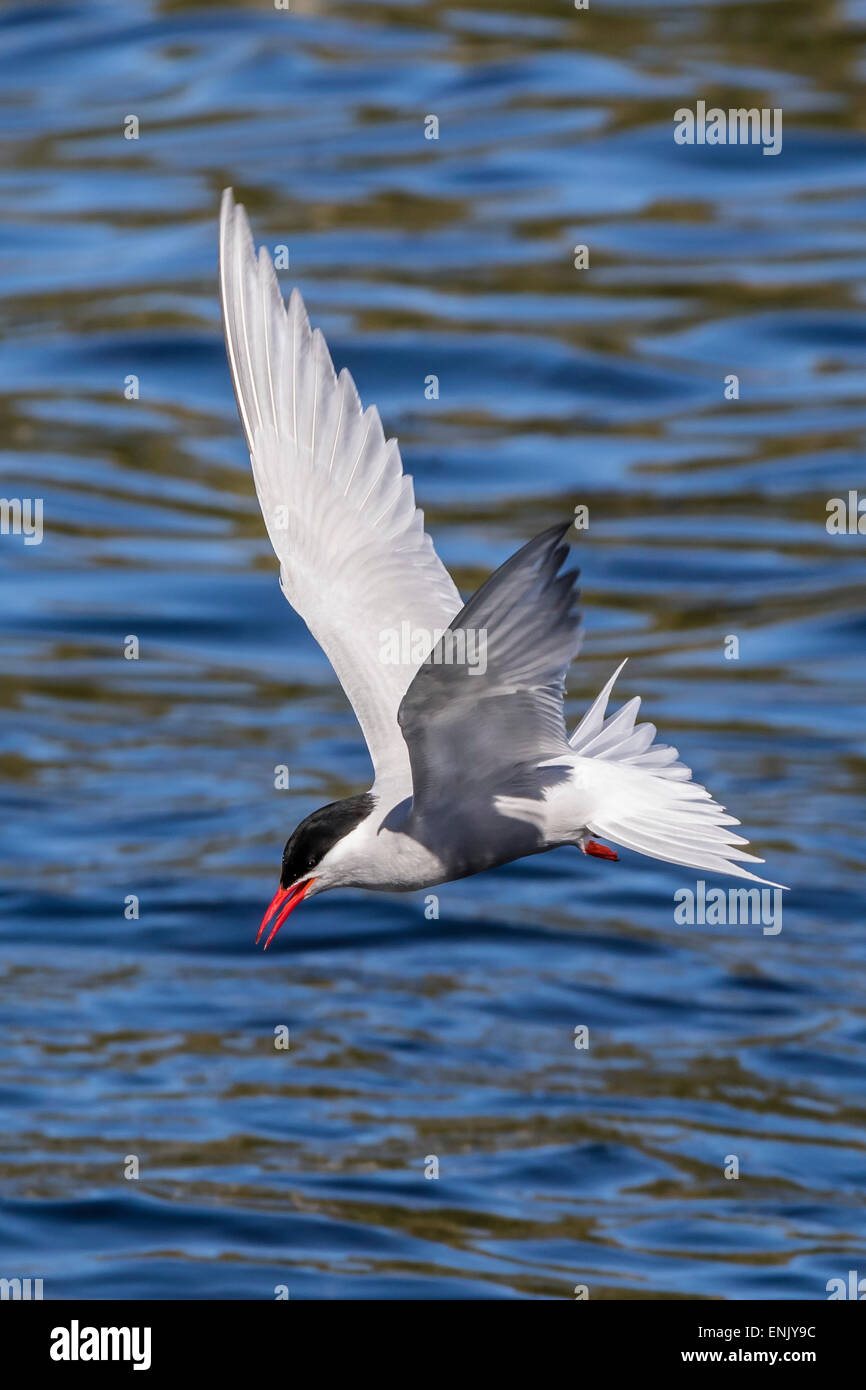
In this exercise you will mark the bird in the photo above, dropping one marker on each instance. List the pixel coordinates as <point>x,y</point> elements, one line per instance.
<point>460,704</point>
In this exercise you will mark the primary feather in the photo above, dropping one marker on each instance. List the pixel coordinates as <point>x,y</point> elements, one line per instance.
<point>355,561</point>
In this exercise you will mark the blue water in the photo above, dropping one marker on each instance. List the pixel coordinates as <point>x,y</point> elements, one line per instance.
<point>451,1038</point>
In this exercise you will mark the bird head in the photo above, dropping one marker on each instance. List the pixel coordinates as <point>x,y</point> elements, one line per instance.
<point>313,859</point>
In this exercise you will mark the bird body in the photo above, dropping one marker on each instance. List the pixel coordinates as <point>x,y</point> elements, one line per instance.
<point>473,766</point>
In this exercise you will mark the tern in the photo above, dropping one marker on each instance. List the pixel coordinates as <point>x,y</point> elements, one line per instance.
<point>472,763</point>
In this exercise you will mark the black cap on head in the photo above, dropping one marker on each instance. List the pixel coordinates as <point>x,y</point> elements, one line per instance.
<point>312,839</point>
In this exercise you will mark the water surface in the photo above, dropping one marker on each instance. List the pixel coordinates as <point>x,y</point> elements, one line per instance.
<point>414,1037</point>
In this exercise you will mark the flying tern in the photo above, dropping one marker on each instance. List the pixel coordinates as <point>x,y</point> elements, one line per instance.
<point>473,766</point>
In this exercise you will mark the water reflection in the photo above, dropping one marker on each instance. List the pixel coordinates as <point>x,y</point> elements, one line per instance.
<point>605,387</point>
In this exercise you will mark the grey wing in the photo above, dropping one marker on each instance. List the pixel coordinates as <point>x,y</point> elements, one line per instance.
<point>478,728</point>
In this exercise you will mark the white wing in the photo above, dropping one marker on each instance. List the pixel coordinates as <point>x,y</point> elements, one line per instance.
<point>355,561</point>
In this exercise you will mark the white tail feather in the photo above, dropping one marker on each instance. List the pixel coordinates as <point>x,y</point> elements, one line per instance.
<point>642,797</point>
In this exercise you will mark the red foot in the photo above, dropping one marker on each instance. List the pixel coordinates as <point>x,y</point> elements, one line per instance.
<point>599,851</point>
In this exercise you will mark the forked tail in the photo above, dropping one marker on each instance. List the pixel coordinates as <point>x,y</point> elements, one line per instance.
<point>641,796</point>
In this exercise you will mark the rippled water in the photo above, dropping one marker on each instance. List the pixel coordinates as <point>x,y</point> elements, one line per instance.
<point>411,1037</point>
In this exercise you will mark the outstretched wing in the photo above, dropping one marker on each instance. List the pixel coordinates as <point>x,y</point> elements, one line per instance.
<point>355,561</point>
<point>486,706</point>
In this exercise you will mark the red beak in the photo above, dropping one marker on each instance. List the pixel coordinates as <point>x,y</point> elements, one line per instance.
<point>287,900</point>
